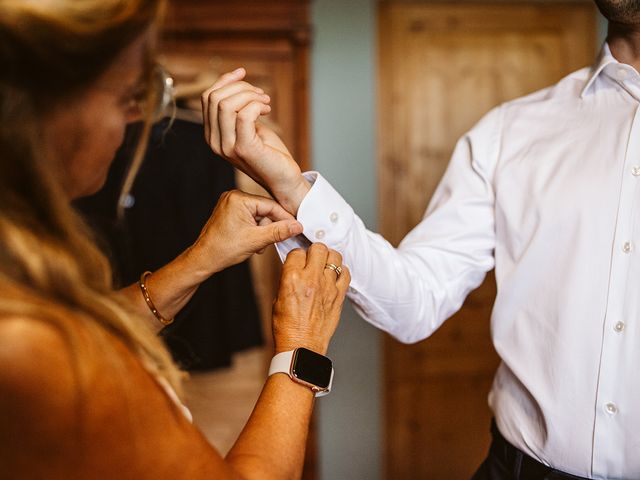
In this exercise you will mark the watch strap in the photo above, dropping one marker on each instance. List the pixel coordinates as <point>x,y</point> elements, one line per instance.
<point>281,363</point>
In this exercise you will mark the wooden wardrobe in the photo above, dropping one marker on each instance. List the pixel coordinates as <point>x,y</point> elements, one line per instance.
<point>271,39</point>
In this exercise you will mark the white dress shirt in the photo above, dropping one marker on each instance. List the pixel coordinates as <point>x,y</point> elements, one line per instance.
<point>546,189</point>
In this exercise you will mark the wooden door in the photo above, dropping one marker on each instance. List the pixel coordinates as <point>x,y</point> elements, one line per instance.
<point>442,66</point>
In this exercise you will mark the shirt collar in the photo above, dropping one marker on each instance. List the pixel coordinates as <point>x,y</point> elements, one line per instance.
<point>604,58</point>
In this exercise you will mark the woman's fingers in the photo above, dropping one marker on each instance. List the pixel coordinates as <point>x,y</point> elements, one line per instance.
<point>307,310</point>
<point>263,223</point>
<point>261,207</point>
<point>277,232</point>
<point>334,258</point>
<point>272,222</point>
<point>317,258</point>
<point>296,259</point>
<point>243,224</point>
<point>344,281</point>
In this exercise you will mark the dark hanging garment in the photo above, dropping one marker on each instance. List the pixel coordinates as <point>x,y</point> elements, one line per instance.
<point>173,196</point>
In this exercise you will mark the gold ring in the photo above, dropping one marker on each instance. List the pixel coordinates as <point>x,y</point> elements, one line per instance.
<point>335,268</point>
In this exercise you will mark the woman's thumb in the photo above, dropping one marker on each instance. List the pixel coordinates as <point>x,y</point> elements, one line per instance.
<point>279,231</point>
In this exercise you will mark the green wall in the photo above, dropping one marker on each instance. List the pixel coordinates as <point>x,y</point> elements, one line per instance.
<point>344,136</point>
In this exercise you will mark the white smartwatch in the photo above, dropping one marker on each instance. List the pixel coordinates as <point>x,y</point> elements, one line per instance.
<point>306,367</point>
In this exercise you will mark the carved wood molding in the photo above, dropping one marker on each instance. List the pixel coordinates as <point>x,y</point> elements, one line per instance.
<point>255,18</point>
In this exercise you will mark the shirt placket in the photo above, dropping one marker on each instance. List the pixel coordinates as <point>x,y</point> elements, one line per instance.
<point>611,401</point>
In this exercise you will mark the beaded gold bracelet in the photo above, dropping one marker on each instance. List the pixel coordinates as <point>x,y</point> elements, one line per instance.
<point>147,299</point>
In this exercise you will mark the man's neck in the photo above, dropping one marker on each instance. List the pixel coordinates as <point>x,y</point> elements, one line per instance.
<point>624,42</point>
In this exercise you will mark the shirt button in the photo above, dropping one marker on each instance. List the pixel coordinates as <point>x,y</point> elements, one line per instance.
<point>619,327</point>
<point>352,290</point>
<point>611,408</point>
<point>635,171</point>
<point>627,247</point>
<point>320,234</point>
<point>622,73</point>
<point>334,216</point>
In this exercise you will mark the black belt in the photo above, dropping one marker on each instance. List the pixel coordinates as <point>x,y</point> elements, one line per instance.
<point>522,465</point>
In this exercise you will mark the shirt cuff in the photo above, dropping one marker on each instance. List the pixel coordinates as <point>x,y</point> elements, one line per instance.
<point>325,216</point>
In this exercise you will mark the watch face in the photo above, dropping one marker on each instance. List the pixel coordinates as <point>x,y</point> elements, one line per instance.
<point>311,367</point>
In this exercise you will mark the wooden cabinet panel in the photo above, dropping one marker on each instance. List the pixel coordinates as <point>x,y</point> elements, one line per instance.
<point>271,39</point>
<point>442,66</point>
<point>205,38</point>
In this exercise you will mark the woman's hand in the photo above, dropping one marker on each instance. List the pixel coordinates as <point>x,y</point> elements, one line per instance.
<point>241,225</point>
<point>231,109</point>
<point>307,309</point>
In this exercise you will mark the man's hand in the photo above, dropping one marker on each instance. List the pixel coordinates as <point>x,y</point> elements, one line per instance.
<point>231,109</point>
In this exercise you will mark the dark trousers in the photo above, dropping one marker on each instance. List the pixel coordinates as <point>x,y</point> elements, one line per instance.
<point>506,462</point>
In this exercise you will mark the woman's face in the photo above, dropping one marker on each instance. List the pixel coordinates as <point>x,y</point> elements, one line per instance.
<point>84,134</point>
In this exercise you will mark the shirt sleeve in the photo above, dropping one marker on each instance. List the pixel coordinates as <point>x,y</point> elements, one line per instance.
<point>411,290</point>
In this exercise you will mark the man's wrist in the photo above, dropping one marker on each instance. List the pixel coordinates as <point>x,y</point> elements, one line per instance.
<point>293,197</point>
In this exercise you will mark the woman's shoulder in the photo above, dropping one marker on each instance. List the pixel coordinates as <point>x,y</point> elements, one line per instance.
<point>38,392</point>
<point>35,356</point>
<point>41,352</point>
<point>60,395</point>
<point>49,367</point>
